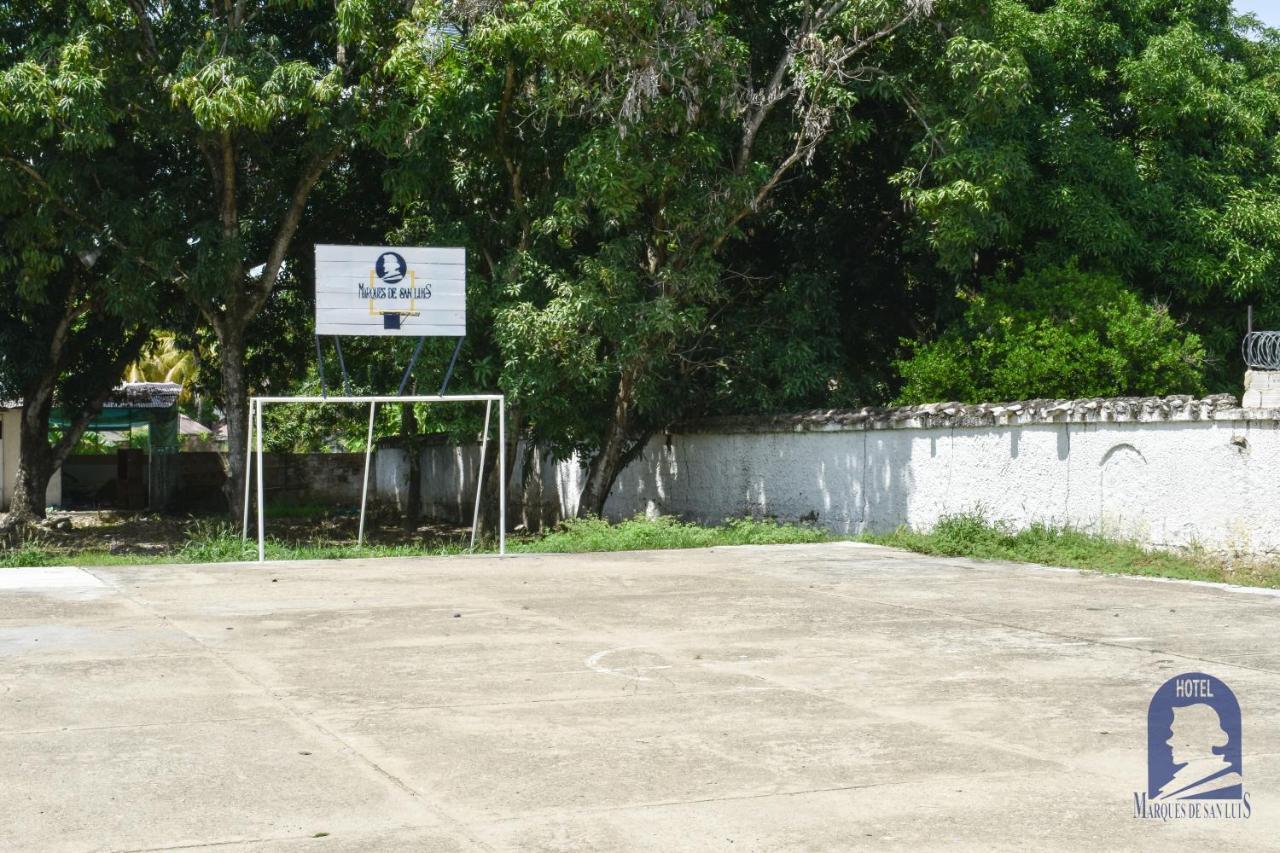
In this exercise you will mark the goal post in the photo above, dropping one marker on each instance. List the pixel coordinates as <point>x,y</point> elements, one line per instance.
<point>385,291</point>
<point>254,445</point>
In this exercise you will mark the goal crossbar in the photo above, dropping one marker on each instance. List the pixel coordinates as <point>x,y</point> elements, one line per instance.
<point>257,404</point>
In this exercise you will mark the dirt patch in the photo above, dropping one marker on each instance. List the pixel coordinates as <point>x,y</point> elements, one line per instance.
<point>143,533</point>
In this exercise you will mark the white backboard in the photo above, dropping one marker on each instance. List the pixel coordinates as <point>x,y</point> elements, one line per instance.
<point>391,290</point>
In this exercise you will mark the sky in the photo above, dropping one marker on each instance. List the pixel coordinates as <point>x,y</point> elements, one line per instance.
<point>1267,10</point>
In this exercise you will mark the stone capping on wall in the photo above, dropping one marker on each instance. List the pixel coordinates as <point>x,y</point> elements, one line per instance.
<point>1215,407</point>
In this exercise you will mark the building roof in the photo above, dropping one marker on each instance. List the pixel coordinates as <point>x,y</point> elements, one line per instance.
<point>144,395</point>
<point>131,395</point>
<point>190,426</point>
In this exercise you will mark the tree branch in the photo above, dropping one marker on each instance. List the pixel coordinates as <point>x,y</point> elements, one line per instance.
<point>814,124</point>
<point>144,26</point>
<point>228,211</point>
<point>97,229</point>
<point>514,170</point>
<point>292,218</point>
<point>772,94</point>
<point>62,448</point>
<point>44,386</point>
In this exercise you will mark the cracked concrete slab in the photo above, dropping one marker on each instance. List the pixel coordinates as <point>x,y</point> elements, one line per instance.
<point>817,697</point>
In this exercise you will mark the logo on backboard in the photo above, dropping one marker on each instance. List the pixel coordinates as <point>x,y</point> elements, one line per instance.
<point>391,269</point>
<point>1195,765</point>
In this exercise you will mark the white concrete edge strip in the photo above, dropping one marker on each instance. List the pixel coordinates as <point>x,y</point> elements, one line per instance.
<point>48,577</point>
<point>1225,587</point>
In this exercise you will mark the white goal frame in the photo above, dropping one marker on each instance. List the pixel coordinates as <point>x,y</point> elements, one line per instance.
<point>257,404</point>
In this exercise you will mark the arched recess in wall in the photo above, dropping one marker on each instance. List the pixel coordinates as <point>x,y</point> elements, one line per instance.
<point>1124,485</point>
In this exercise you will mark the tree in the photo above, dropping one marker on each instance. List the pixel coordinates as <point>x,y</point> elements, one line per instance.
<point>84,278</point>
<point>245,107</point>
<point>1133,139</point>
<point>1058,333</point>
<point>660,129</point>
<point>162,360</point>
<point>64,343</point>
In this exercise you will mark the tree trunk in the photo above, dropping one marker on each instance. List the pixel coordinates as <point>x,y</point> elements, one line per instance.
<point>235,408</point>
<point>531,489</point>
<point>409,440</point>
<point>614,449</point>
<point>489,502</point>
<point>37,459</point>
<point>35,467</point>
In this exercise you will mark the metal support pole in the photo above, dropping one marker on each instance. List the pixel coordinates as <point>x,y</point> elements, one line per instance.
<point>1250,323</point>
<point>417,351</point>
<point>320,368</point>
<point>452,361</point>
<point>262,540</point>
<point>484,445</point>
<point>502,476</point>
<point>368,456</point>
<point>342,365</point>
<point>248,471</point>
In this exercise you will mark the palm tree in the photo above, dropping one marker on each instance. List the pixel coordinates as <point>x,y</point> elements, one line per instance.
<point>163,361</point>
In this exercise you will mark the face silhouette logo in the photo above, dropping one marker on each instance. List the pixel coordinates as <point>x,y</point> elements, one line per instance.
<point>1193,741</point>
<point>390,267</point>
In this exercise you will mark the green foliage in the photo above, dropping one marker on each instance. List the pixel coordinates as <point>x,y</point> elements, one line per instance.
<point>611,156</point>
<point>670,210</point>
<point>1135,138</point>
<point>311,429</point>
<point>215,542</point>
<point>644,534</point>
<point>92,444</point>
<point>31,549</point>
<point>974,535</point>
<point>189,142</point>
<point>140,439</point>
<point>376,367</point>
<point>1058,333</point>
<point>75,300</point>
<point>779,348</point>
<point>163,360</point>
<point>219,542</point>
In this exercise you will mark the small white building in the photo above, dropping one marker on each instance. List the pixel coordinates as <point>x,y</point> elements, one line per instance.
<point>10,430</point>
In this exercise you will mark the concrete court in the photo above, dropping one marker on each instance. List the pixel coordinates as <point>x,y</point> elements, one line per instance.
<point>790,698</point>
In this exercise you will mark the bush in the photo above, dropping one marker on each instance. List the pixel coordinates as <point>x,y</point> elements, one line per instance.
<point>1057,333</point>
<point>973,535</point>
<point>215,542</point>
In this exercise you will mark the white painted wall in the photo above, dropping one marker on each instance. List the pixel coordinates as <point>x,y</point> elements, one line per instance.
<point>1212,480</point>
<point>1164,484</point>
<point>10,425</point>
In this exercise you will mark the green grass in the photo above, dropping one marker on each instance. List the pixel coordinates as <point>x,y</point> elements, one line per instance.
<point>964,535</point>
<point>972,535</point>
<point>221,543</point>
<point>645,534</point>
